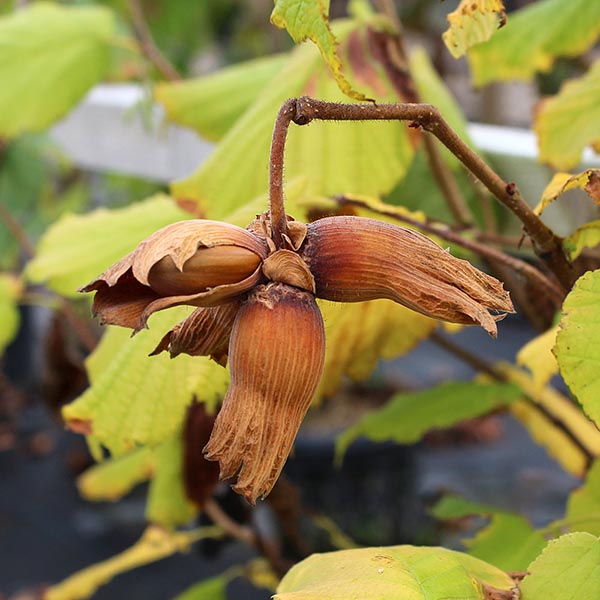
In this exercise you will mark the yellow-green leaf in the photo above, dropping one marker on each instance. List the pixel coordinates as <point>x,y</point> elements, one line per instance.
<point>473,22</point>
<point>407,417</point>
<point>51,56</point>
<point>589,181</point>
<point>586,236</point>
<point>533,37</point>
<point>168,504</point>
<point>309,19</point>
<point>156,543</point>
<point>568,122</point>
<point>115,477</point>
<point>135,399</point>
<point>583,506</point>
<point>537,356</point>
<point>214,588</point>
<point>541,423</point>
<point>568,569</point>
<point>212,104</point>
<point>77,248</point>
<point>393,573</point>
<point>359,334</point>
<point>577,350</point>
<point>367,158</point>
<point>10,290</point>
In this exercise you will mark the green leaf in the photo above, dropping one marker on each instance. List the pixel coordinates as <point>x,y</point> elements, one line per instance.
<point>309,19</point>
<point>576,349</point>
<point>537,356</point>
<point>137,400</point>
<point>589,181</point>
<point>168,504</point>
<point>568,569</point>
<point>10,290</point>
<point>78,247</point>
<point>472,22</point>
<point>533,37</point>
<point>568,122</point>
<point>212,104</point>
<point>51,56</point>
<point>586,236</point>
<point>407,417</point>
<point>115,477</point>
<point>155,544</point>
<point>367,158</point>
<point>583,506</point>
<point>214,588</point>
<point>393,573</point>
<point>453,506</point>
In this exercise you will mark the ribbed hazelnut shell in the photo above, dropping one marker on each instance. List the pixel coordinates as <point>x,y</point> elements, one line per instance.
<point>354,259</point>
<point>276,354</point>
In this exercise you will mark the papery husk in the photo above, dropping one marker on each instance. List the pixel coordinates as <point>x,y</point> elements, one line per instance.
<point>196,262</point>
<point>276,354</point>
<point>354,259</point>
<point>287,267</point>
<point>205,332</point>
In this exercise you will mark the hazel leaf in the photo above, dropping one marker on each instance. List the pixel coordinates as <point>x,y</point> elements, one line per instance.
<point>533,38</point>
<point>566,570</point>
<point>211,105</point>
<point>586,236</point>
<point>309,19</point>
<point>10,290</point>
<point>583,505</point>
<point>407,417</point>
<point>78,247</point>
<point>472,22</point>
<point>588,180</point>
<point>576,350</point>
<point>568,122</point>
<point>135,400</point>
<point>213,588</point>
<point>537,356</point>
<point>393,573</point>
<point>52,52</point>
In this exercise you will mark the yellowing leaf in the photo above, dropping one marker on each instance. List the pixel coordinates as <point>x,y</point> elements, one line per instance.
<point>10,290</point>
<point>51,56</point>
<point>537,356</point>
<point>309,19</point>
<point>393,573</point>
<point>586,236</point>
<point>566,570</point>
<point>212,104</point>
<point>541,423</point>
<point>334,158</point>
<point>563,182</point>
<point>168,504</point>
<point>577,350</point>
<point>473,22</point>
<point>533,37</point>
<point>583,506</point>
<point>359,334</point>
<point>137,400</point>
<point>407,417</point>
<point>115,477</point>
<point>77,248</point>
<point>568,122</point>
<point>156,543</point>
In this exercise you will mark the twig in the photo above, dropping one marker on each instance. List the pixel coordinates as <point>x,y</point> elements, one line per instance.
<point>546,244</point>
<point>517,265</point>
<point>149,48</point>
<point>235,530</point>
<point>483,366</point>
<point>17,231</point>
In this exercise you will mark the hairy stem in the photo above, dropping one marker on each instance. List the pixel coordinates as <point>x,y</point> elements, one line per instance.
<point>483,366</point>
<point>149,48</point>
<point>546,244</point>
<point>519,266</point>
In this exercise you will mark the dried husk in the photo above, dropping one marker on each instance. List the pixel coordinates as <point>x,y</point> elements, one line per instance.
<point>354,259</point>
<point>276,355</point>
<point>286,266</point>
<point>205,332</point>
<point>196,262</point>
